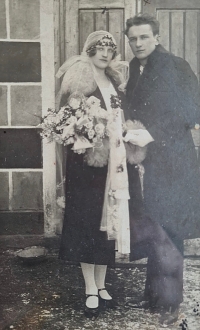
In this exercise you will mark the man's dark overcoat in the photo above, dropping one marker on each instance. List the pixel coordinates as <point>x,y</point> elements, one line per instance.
<point>165,98</point>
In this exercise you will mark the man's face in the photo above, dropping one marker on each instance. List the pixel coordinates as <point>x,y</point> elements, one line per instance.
<point>142,41</point>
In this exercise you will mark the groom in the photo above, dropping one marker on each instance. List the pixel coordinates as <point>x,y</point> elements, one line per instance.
<point>162,93</point>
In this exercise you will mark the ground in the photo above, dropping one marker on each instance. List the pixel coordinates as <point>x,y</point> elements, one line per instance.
<point>50,295</point>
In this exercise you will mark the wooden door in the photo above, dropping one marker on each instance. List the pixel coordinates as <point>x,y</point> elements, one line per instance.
<point>179,33</point>
<point>74,20</point>
<point>81,17</point>
<point>179,28</point>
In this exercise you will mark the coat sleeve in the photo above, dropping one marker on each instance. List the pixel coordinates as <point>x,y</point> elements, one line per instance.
<point>179,106</point>
<point>187,90</point>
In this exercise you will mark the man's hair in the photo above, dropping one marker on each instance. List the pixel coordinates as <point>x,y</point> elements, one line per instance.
<point>141,19</point>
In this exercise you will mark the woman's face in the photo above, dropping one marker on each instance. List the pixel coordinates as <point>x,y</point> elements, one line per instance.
<point>103,56</point>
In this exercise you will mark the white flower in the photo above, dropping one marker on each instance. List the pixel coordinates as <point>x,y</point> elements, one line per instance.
<point>59,117</point>
<point>74,103</point>
<point>71,120</point>
<point>97,111</point>
<point>91,133</point>
<point>102,113</point>
<point>99,129</point>
<point>50,119</point>
<point>62,110</point>
<point>78,113</point>
<point>92,100</point>
<point>89,125</point>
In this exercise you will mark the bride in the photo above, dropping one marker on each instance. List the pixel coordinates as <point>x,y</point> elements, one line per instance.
<point>96,220</point>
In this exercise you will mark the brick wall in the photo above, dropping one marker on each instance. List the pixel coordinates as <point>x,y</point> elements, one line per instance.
<point>21,163</point>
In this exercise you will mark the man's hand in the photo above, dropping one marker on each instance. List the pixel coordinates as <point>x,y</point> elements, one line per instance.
<point>139,137</point>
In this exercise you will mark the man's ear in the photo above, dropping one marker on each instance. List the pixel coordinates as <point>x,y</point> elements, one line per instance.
<point>157,39</point>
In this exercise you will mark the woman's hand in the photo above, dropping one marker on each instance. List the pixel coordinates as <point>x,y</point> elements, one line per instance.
<point>139,137</point>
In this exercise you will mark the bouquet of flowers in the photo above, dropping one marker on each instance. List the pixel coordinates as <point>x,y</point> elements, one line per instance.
<point>82,123</point>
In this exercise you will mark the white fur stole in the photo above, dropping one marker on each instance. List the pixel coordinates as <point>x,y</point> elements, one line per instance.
<point>98,157</point>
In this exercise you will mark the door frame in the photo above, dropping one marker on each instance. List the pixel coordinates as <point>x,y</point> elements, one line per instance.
<point>71,30</point>
<point>153,5</point>
<point>48,101</point>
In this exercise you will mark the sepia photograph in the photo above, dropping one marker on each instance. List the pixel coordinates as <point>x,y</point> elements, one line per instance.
<point>99,164</point>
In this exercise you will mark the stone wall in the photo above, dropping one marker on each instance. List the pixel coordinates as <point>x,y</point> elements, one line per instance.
<point>21,164</point>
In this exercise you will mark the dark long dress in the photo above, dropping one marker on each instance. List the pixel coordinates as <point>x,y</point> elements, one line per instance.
<point>82,241</point>
<point>165,99</point>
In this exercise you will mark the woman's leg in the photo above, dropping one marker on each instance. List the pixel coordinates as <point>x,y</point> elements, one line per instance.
<point>90,284</point>
<point>100,275</point>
